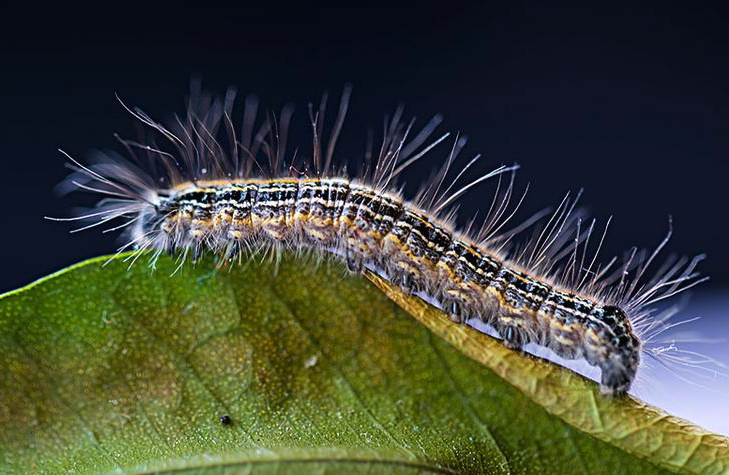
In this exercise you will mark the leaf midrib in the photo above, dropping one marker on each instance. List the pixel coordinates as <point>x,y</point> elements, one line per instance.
<point>291,457</point>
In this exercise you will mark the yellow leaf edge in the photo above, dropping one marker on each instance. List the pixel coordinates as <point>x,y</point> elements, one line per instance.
<point>625,422</point>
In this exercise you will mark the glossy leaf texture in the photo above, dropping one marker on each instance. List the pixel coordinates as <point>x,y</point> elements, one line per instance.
<point>106,369</point>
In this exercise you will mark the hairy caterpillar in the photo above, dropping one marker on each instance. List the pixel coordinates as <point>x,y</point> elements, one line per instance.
<point>196,194</point>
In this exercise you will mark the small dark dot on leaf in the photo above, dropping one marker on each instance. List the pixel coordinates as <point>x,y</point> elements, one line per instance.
<point>225,419</point>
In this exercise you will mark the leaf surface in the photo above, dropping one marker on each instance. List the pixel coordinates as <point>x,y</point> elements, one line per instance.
<point>110,370</point>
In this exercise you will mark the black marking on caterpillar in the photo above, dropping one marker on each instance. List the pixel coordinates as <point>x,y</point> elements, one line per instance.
<point>196,194</point>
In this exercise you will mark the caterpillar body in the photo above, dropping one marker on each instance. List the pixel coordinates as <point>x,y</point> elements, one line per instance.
<point>206,197</point>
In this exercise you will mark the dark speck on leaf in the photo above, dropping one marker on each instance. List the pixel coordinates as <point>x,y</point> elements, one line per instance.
<point>225,419</point>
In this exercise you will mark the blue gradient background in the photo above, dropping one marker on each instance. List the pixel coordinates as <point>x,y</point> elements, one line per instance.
<point>629,101</point>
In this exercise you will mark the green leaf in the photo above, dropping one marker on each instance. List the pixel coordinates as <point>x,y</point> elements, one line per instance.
<point>110,370</point>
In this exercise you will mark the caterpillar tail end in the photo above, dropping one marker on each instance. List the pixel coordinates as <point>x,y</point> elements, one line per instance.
<point>615,383</point>
<point>617,377</point>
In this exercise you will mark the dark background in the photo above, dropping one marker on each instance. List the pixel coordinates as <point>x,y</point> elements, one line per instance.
<point>629,101</point>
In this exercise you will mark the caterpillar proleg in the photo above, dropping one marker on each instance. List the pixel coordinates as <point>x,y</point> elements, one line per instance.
<point>213,187</point>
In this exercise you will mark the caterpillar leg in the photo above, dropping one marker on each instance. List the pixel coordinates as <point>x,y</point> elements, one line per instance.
<point>618,373</point>
<point>512,338</point>
<point>615,381</point>
<point>197,251</point>
<point>455,312</point>
<point>408,283</point>
<point>170,247</point>
<point>355,263</point>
